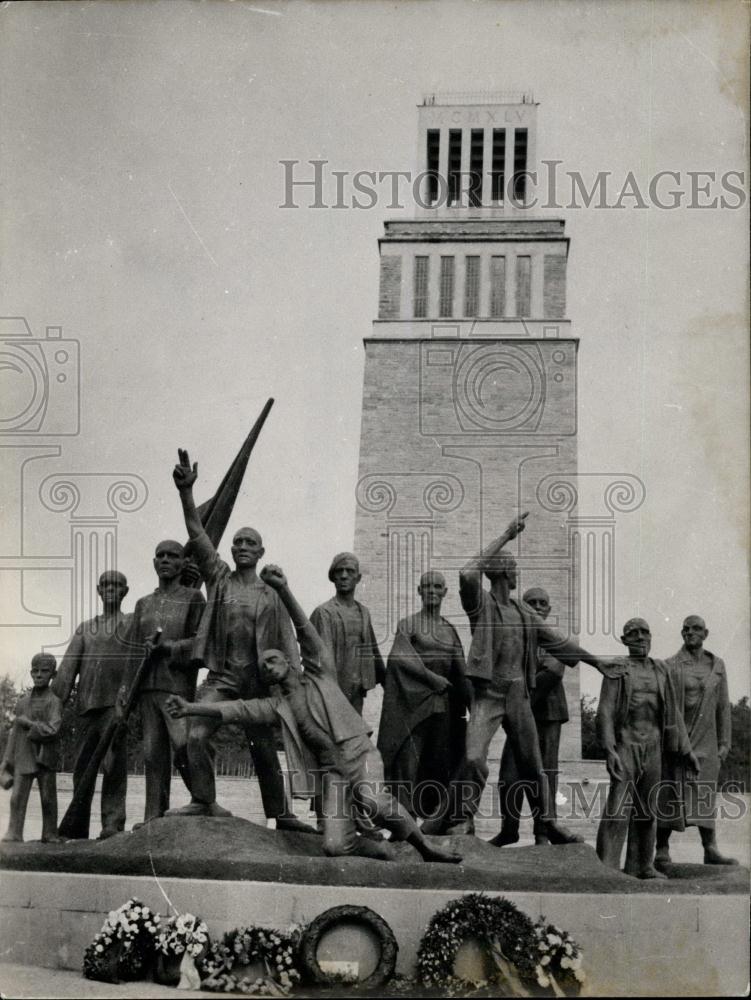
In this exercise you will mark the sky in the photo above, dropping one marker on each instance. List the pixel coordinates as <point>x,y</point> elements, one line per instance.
<point>140,149</point>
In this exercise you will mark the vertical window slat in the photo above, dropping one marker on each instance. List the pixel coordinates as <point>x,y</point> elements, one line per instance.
<point>446,304</point>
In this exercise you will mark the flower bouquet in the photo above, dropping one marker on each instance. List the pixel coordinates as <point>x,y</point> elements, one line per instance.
<point>124,948</point>
<point>255,960</point>
<point>560,967</point>
<point>182,942</point>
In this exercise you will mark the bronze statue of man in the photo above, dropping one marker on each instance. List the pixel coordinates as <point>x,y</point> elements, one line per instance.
<point>98,656</point>
<point>176,610</point>
<point>502,666</point>
<point>343,623</point>
<point>702,690</point>
<point>243,618</point>
<point>550,711</point>
<point>321,728</point>
<point>425,700</point>
<point>33,751</point>
<point>638,721</point>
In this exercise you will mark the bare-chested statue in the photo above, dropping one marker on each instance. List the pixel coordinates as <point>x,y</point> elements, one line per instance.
<point>343,623</point>
<point>502,666</point>
<point>550,711</point>
<point>321,728</point>
<point>702,690</point>
<point>243,618</point>
<point>638,720</point>
<point>425,700</point>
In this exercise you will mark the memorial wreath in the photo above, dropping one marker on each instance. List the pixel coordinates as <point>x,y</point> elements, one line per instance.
<point>275,952</point>
<point>529,958</point>
<point>124,948</point>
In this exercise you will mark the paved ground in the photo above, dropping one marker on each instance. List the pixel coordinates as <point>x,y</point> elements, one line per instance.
<point>25,981</point>
<point>243,798</point>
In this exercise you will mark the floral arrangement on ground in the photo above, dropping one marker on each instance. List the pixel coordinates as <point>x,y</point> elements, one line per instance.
<point>123,950</point>
<point>274,954</point>
<point>527,958</point>
<point>521,957</point>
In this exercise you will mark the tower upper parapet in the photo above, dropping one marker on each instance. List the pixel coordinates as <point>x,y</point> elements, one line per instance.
<point>475,151</point>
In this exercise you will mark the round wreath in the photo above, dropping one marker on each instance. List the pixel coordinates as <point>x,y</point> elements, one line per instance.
<point>124,948</point>
<point>276,950</point>
<point>313,933</point>
<point>529,957</point>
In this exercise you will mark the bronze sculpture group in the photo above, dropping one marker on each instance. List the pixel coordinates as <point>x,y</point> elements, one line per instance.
<point>273,670</point>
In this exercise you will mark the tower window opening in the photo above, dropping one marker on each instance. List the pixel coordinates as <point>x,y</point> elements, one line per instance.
<point>420,283</point>
<point>520,165</point>
<point>472,286</point>
<point>433,150</point>
<point>477,139</point>
<point>446,302</point>
<point>497,287</point>
<point>455,166</point>
<point>498,166</point>
<point>523,286</point>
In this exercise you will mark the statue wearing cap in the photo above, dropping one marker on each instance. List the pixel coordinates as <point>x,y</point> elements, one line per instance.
<point>97,657</point>
<point>344,625</point>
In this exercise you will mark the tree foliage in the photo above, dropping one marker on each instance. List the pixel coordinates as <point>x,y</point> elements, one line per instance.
<point>736,767</point>
<point>591,749</point>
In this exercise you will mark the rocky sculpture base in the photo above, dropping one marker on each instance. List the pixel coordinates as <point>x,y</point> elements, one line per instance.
<point>200,847</point>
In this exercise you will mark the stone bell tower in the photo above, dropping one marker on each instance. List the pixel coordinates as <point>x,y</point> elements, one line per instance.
<point>469,397</point>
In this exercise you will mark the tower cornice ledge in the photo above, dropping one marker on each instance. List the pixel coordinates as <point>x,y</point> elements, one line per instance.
<point>476,229</point>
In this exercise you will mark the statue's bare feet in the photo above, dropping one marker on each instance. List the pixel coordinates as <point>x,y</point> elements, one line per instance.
<point>53,838</point>
<point>218,811</point>
<point>713,857</point>
<point>12,838</point>
<point>444,855</point>
<point>192,809</point>
<point>651,872</point>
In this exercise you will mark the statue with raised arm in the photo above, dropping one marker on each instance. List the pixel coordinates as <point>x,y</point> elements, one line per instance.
<point>243,618</point>
<point>322,729</point>
<point>701,687</point>
<point>425,700</point>
<point>175,610</point>
<point>550,711</point>
<point>502,666</point>
<point>638,722</point>
<point>344,625</point>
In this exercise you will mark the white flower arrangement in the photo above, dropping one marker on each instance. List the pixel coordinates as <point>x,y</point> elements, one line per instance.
<point>560,957</point>
<point>129,931</point>
<point>183,933</point>
<point>276,951</point>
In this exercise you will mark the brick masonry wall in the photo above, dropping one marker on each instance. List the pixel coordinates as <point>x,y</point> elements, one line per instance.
<point>554,286</point>
<point>458,437</point>
<point>390,286</point>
